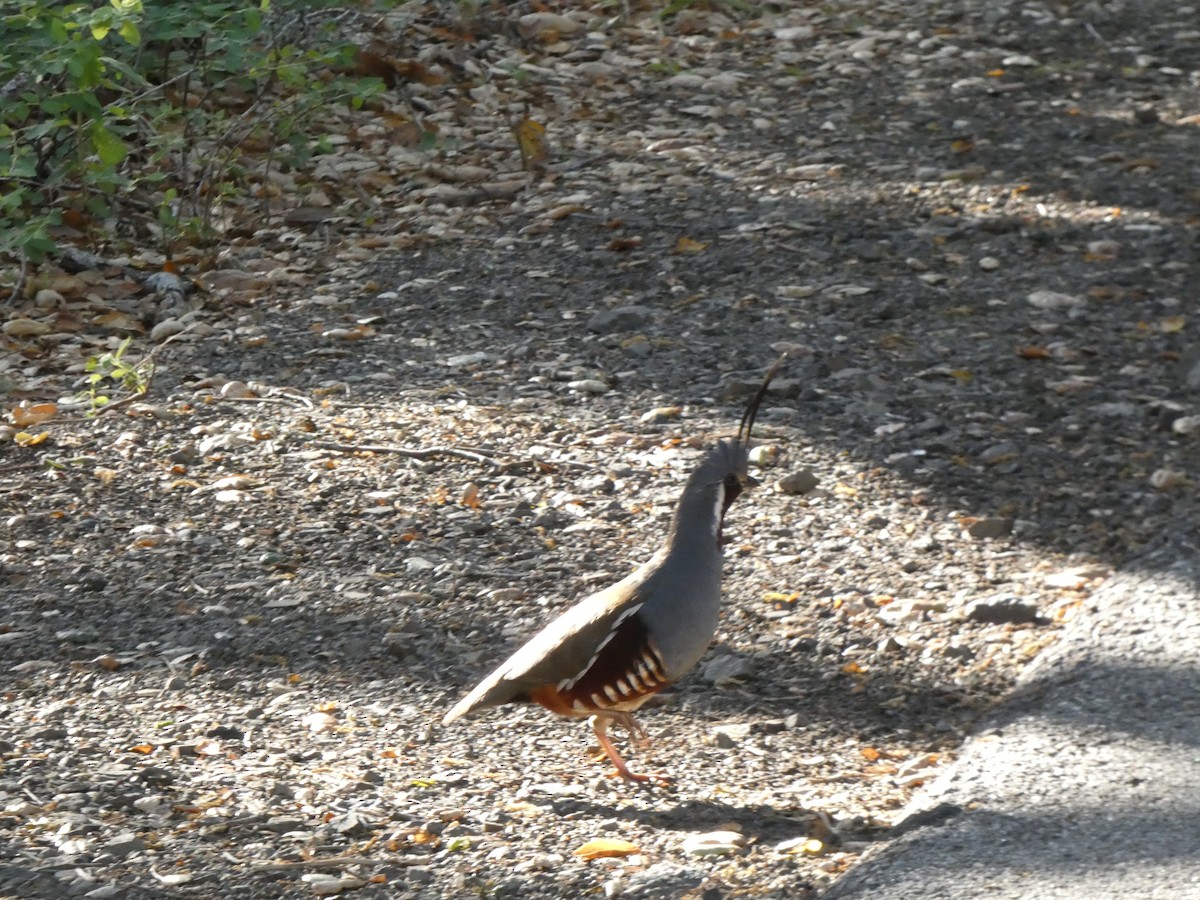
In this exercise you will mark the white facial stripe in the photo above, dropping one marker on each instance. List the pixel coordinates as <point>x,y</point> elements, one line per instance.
<point>718,511</point>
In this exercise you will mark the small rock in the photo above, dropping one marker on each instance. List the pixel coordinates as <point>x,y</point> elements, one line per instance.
<point>727,667</point>
<point>595,484</point>
<point>661,414</point>
<point>175,683</point>
<point>729,735</point>
<point>125,844</point>
<point>506,594</point>
<point>1053,300</point>
<point>1145,115</point>
<point>466,359</point>
<point>48,299</point>
<point>989,264</point>
<point>1103,249</point>
<point>1167,479</point>
<point>1186,425</point>
<point>546,26</point>
<point>764,455</point>
<point>1121,409</point>
<point>165,329</point>
<point>990,527</point>
<point>236,390</point>
<point>622,318</point>
<point>796,483</point>
<point>713,843</point>
<point>999,453</point>
<point>588,386</point>
<point>1003,610</point>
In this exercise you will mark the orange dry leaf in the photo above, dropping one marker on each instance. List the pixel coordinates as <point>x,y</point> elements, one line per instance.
<point>531,139</point>
<point>852,668</point>
<point>25,439</point>
<point>33,414</point>
<point>1033,352</point>
<point>142,748</point>
<point>604,847</point>
<point>869,753</point>
<point>470,496</point>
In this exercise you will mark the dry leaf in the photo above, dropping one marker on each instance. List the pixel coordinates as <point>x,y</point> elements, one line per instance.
<point>687,245</point>
<point>470,497</point>
<point>605,847</point>
<point>1033,352</point>
<point>33,414</point>
<point>531,139</point>
<point>19,328</point>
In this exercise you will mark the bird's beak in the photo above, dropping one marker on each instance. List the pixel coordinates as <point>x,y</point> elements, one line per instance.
<point>749,481</point>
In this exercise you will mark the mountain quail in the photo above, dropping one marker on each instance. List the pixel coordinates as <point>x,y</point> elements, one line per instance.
<point>612,651</point>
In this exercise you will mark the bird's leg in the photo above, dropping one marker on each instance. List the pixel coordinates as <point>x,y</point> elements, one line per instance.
<point>633,727</point>
<point>600,727</point>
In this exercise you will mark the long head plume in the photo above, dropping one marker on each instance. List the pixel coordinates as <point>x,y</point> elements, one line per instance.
<point>727,464</point>
<point>742,440</point>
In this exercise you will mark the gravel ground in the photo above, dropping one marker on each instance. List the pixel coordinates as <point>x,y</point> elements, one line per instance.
<point>1099,742</point>
<point>235,612</point>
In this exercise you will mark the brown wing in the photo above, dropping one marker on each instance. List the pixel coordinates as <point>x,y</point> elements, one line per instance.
<point>625,670</point>
<point>561,652</point>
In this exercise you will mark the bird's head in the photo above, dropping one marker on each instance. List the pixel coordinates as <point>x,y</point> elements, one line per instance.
<point>725,467</point>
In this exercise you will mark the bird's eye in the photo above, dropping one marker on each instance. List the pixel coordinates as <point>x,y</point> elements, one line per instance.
<point>732,481</point>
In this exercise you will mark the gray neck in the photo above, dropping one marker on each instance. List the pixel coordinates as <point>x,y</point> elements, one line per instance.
<point>696,524</point>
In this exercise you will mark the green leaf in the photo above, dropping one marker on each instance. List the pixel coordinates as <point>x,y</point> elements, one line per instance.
<point>110,148</point>
<point>129,31</point>
<point>100,30</point>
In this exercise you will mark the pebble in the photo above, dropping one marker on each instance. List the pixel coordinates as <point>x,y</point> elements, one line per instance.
<point>729,735</point>
<point>1003,609</point>
<point>466,359</point>
<point>622,318</point>
<point>1186,425</point>
<point>796,483</point>
<point>165,329</point>
<point>713,843</point>
<point>989,263</point>
<point>1167,479</point>
<point>763,455</point>
<point>999,453</point>
<point>727,667</point>
<point>546,25</point>
<point>990,527</point>
<point>1054,300</point>
<point>661,414</point>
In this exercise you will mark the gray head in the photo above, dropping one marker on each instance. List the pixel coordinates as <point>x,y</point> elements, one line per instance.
<point>723,472</point>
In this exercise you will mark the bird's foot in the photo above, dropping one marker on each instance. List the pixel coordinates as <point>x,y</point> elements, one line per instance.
<point>642,778</point>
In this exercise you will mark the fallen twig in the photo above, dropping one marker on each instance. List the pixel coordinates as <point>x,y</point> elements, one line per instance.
<point>424,453</point>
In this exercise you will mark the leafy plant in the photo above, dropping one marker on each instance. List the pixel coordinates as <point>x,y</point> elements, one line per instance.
<point>134,378</point>
<point>149,114</point>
